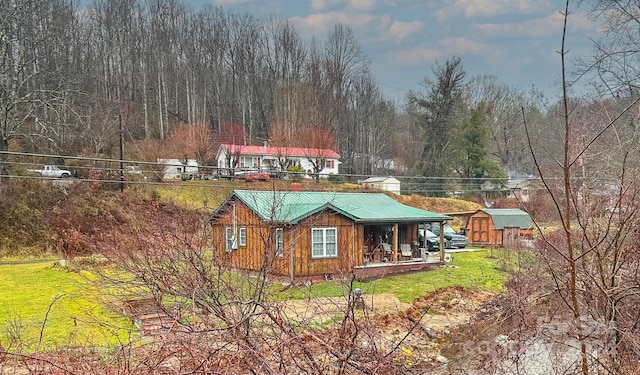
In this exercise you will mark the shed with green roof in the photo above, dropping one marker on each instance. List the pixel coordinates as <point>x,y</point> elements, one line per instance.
<point>307,233</point>
<point>498,227</point>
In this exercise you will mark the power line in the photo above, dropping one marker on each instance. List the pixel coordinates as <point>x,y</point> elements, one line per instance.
<point>418,184</point>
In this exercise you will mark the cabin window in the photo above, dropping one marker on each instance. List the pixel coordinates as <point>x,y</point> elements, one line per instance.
<point>324,242</point>
<point>279,242</point>
<point>329,164</point>
<point>229,239</point>
<point>242,237</point>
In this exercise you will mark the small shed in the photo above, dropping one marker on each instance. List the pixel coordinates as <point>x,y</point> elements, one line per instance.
<point>391,184</point>
<point>498,227</point>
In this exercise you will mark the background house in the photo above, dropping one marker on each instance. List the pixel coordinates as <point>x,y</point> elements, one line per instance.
<point>391,184</point>
<point>518,186</point>
<point>276,159</point>
<point>314,233</point>
<point>174,168</point>
<point>498,227</point>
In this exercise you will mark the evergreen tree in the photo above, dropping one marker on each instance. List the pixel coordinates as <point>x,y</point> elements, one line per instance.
<point>437,112</point>
<point>470,142</point>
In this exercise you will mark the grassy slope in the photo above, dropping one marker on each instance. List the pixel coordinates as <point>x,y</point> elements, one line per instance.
<point>77,317</point>
<point>194,193</point>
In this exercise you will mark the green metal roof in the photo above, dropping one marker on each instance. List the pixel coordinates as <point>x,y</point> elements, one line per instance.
<point>293,206</point>
<point>509,217</point>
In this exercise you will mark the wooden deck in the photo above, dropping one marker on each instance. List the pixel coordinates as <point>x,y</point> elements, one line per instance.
<point>376,270</point>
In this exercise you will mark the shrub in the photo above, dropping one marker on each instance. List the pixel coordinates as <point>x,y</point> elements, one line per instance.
<point>336,179</point>
<point>295,173</point>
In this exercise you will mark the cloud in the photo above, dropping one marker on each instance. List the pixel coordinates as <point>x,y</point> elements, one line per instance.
<point>400,31</point>
<point>489,8</point>
<point>447,47</point>
<point>231,2</point>
<point>549,26</point>
<point>364,5</point>
<point>322,22</point>
<point>415,56</point>
<point>356,5</point>
<point>463,46</point>
<point>319,5</point>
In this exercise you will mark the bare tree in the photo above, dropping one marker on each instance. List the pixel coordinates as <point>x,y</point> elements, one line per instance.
<point>503,105</point>
<point>318,145</point>
<point>26,99</point>
<point>593,251</point>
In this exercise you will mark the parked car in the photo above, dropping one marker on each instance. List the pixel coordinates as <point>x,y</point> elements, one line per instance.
<point>451,237</point>
<point>51,171</point>
<point>252,175</point>
<point>433,241</point>
<point>135,172</point>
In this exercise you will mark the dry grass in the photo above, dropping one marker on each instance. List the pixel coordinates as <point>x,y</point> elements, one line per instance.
<point>440,205</point>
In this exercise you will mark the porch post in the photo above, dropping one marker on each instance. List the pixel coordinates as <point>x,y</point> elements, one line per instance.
<point>441,234</point>
<point>425,244</point>
<point>395,243</point>
<point>292,255</point>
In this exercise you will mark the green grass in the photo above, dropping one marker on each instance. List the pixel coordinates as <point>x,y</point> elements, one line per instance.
<point>475,270</point>
<point>76,316</point>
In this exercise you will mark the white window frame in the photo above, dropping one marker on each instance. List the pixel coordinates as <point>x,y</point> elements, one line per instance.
<point>279,242</point>
<point>324,243</point>
<point>229,239</point>
<point>242,236</point>
<point>244,161</point>
<point>249,162</point>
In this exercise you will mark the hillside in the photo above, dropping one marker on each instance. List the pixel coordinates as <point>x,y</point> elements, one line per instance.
<point>439,205</point>
<point>39,219</point>
<point>195,194</point>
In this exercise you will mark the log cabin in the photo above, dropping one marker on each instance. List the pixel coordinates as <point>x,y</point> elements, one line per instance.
<point>310,234</point>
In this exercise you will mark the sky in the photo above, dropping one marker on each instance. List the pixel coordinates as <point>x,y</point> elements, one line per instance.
<point>516,41</point>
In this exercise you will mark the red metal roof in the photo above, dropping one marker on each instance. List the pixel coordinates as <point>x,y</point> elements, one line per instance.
<point>281,151</point>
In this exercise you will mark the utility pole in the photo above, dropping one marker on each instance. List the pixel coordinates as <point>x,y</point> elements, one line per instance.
<point>121,153</point>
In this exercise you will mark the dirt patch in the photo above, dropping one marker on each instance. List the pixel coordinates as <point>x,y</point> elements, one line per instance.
<point>439,310</point>
<point>321,310</point>
<point>429,318</point>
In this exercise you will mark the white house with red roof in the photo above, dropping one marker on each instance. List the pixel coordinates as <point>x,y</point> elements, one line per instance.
<point>269,159</point>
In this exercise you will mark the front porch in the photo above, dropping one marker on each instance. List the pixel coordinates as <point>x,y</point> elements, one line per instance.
<point>376,270</point>
<point>399,242</point>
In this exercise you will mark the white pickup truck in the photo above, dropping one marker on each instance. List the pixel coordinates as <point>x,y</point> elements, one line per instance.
<point>51,171</point>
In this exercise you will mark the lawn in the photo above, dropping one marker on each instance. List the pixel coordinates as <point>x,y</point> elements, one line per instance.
<point>476,270</point>
<point>76,316</point>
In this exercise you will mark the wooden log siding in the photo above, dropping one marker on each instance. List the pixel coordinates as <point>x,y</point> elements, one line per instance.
<point>481,231</point>
<point>350,245</point>
<point>260,243</point>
